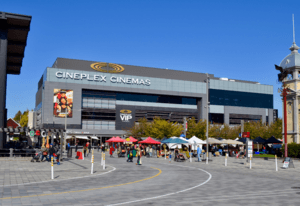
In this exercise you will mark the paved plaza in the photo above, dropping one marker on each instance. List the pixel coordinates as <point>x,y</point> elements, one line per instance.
<point>155,182</point>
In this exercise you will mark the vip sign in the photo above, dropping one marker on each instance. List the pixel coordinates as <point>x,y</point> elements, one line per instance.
<point>125,115</point>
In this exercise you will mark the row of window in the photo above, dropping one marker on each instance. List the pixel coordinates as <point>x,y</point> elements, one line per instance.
<point>242,99</point>
<point>103,95</point>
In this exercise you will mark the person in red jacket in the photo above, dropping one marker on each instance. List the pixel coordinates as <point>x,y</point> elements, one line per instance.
<point>111,150</point>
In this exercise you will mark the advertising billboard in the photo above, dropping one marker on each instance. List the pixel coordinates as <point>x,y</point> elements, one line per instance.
<point>63,103</point>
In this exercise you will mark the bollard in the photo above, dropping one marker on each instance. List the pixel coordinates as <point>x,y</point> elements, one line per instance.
<point>101,158</point>
<point>250,162</point>
<point>226,160</point>
<point>92,169</point>
<point>104,161</point>
<point>52,177</point>
<point>11,152</point>
<point>276,163</point>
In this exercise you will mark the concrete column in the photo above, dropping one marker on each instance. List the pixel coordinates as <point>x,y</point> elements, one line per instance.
<point>295,75</point>
<point>3,59</point>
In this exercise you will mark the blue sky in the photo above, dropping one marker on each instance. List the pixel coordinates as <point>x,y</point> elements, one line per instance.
<point>234,39</point>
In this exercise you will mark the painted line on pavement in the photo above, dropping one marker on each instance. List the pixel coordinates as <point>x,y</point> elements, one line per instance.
<point>85,190</point>
<point>30,183</point>
<point>173,193</point>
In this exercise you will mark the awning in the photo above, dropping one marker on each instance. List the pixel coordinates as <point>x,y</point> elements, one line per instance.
<point>82,137</point>
<point>94,137</point>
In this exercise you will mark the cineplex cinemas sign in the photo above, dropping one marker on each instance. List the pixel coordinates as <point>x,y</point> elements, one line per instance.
<point>102,78</point>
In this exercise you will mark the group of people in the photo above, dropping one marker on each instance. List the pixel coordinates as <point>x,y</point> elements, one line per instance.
<point>52,151</point>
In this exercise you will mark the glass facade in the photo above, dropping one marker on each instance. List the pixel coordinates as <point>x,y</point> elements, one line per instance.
<point>241,99</point>
<point>104,99</point>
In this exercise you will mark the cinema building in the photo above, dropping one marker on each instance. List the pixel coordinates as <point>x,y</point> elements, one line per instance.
<point>105,99</point>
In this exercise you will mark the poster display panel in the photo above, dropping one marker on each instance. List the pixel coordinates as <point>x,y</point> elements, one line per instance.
<point>63,103</point>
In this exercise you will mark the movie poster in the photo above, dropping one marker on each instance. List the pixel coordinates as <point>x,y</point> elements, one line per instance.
<point>63,103</point>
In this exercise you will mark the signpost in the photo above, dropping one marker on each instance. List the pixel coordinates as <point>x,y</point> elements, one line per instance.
<point>249,150</point>
<point>288,163</point>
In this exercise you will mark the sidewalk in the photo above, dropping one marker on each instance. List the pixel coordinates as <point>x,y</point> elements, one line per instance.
<point>26,172</point>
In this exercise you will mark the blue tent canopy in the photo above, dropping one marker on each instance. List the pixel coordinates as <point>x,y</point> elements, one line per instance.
<point>166,141</point>
<point>177,141</point>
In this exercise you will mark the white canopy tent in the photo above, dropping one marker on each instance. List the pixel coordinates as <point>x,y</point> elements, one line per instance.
<point>195,141</point>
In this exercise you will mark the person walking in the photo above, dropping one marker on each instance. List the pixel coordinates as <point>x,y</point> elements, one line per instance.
<point>111,150</point>
<point>138,154</point>
<point>103,147</point>
<point>76,147</point>
<point>170,156</point>
<point>150,152</point>
<point>98,147</point>
<point>198,153</point>
<point>90,147</point>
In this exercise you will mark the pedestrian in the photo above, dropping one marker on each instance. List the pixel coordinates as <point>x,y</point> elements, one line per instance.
<point>103,147</point>
<point>84,150</point>
<point>90,147</point>
<point>111,151</point>
<point>153,150</point>
<point>138,154</point>
<point>198,153</point>
<point>68,147</point>
<point>150,152</point>
<point>51,151</point>
<point>170,156</point>
<point>76,147</point>
<point>44,154</point>
<point>98,147</point>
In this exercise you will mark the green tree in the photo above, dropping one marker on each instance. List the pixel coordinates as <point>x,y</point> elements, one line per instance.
<point>24,119</point>
<point>196,128</point>
<point>275,129</point>
<point>158,128</point>
<point>161,128</point>
<point>17,117</point>
<point>139,129</point>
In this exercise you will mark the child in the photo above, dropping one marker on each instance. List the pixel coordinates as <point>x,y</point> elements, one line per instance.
<point>170,156</point>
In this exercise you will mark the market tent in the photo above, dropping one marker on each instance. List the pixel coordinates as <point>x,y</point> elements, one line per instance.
<point>273,140</point>
<point>213,141</point>
<point>195,141</point>
<point>132,139</point>
<point>243,139</point>
<point>111,139</point>
<point>165,141</point>
<point>149,140</point>
<point>178,141</point>
<point>259,140</point>
<point>230,141</point>
<point>118,139</point>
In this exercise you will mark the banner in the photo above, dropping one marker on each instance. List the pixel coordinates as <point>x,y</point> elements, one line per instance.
<point>63,103</point>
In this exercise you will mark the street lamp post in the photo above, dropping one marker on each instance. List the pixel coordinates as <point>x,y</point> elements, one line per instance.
<point>284,93</point>
<point>207,120</point>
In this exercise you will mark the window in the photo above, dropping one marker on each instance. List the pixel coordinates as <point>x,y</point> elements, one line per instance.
<point>242,99</point>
